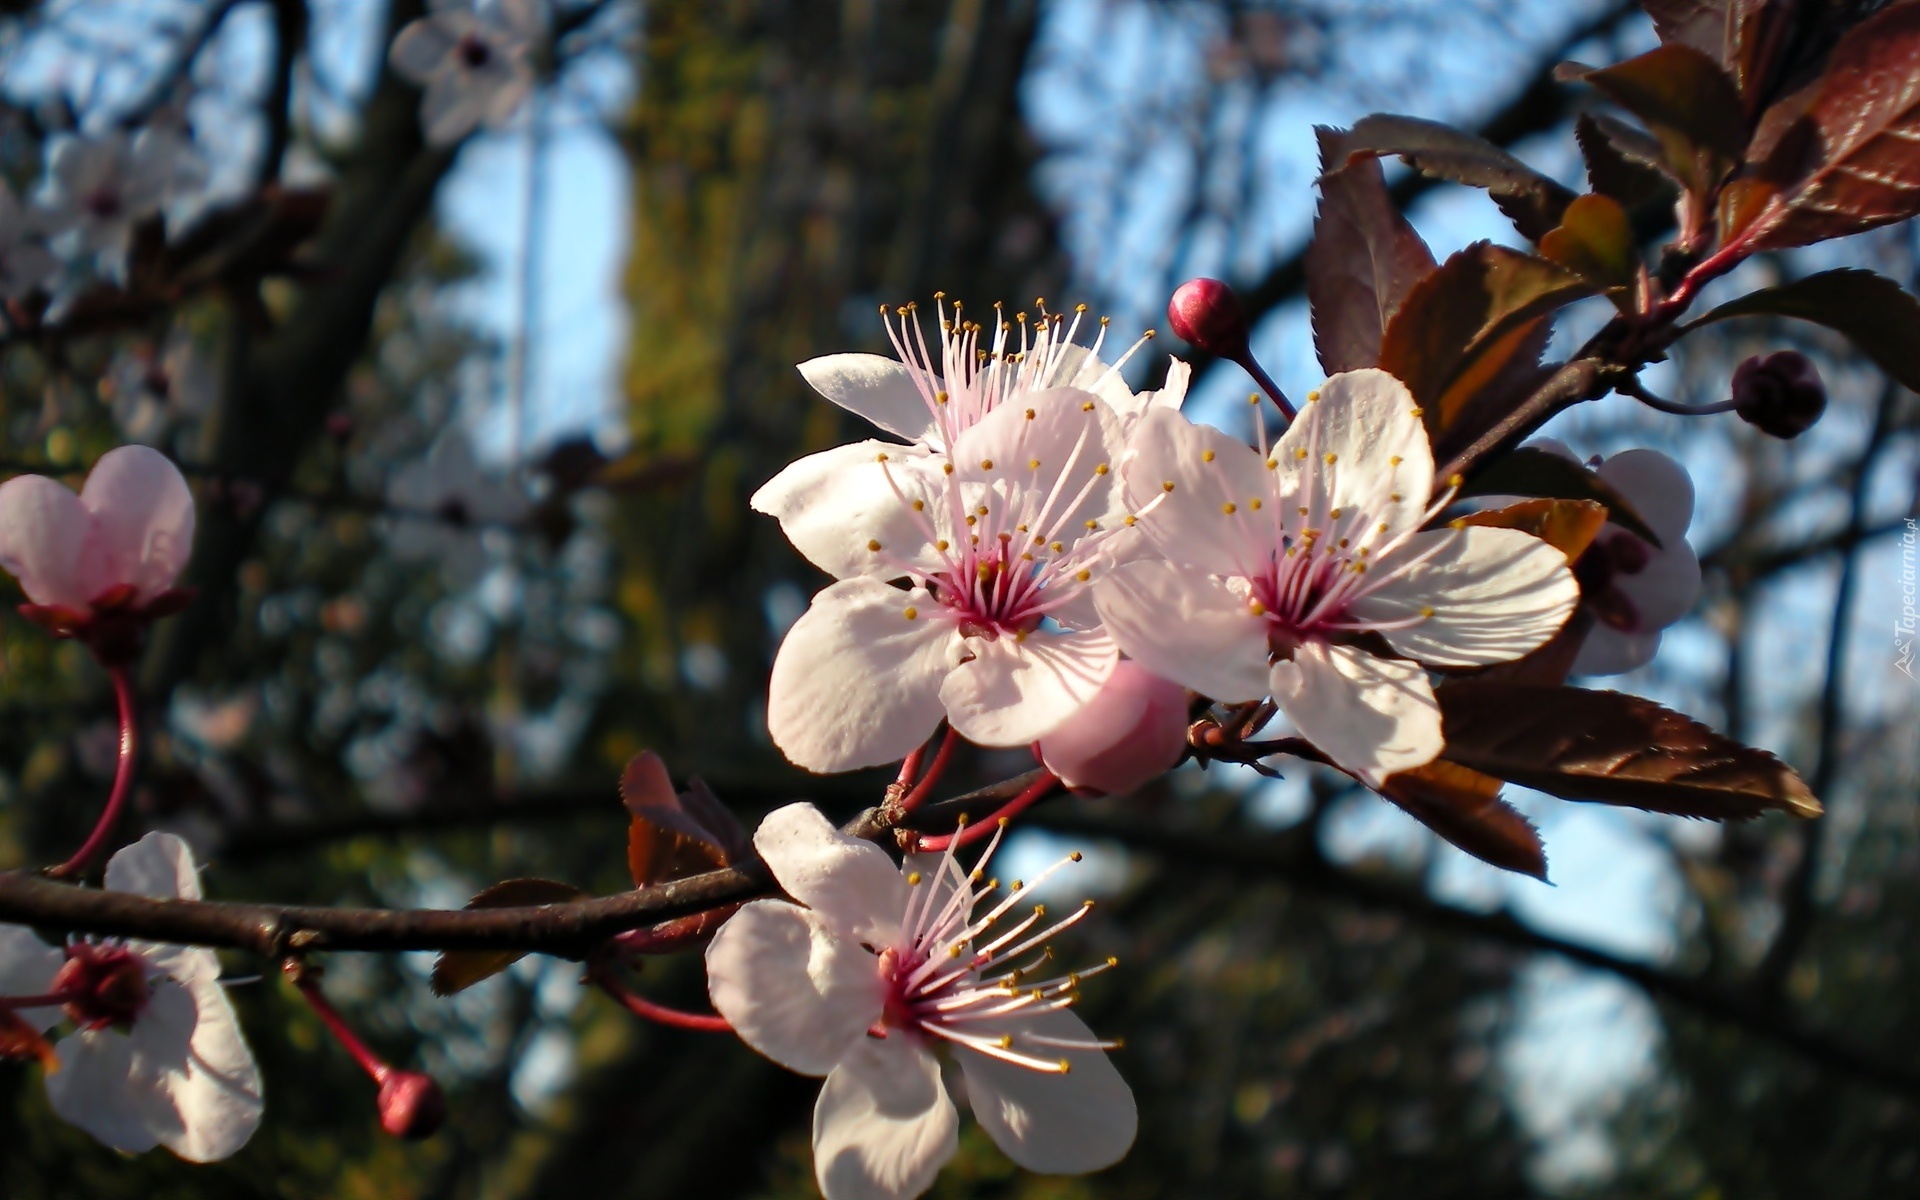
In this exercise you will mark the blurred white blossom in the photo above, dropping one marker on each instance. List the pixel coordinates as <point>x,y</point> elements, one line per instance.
<point>475,63</point>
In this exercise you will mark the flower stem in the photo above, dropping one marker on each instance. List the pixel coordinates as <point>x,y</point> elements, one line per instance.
<point>1634,388</point>
<point>1251,366</point>
<point>306,980</point>
<point>909,767</point>
<point>935,769</point>
<point>660,1014</point>
<point>1034,792</point>
<point>123,774</point>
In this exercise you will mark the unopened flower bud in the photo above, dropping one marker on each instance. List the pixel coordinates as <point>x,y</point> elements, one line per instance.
<point>1207,314</point>
<point>1779,394</point>
<point>412,1106</point>
<point>1130,733</point>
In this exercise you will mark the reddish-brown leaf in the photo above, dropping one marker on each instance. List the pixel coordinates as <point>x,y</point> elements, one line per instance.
<point>1569,526</point>
<point>1881,318</point>
<point>674,834</point>
<point>1688,102</point>
<point>1472,323</point>
<point>1464,807</point>
<point>1595,240</point>
<point>20,1040</point>
<point>1532,201</point>
<point>1614,748</point>
<point>458,970</point>
<point>1864,133</point>
<point>1362,261</point>
<point>1622,162</point>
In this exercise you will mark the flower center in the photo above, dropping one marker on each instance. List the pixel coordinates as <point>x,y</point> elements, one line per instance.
<point>474,52</point>
<point>953,977</point>
<point>1598,571</point>
<point>102,203</point>
<point>105,986</point>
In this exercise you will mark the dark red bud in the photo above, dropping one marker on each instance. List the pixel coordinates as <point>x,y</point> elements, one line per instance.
<point>412,1106</point>
<point>1779,394</point>
<point>1207,314</point>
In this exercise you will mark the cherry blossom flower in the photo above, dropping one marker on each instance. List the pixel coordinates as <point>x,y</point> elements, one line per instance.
<point>931,397</point>
<point>101,187</point>
<point>1633,588</point>
<point>990,544</point>
<point>475,63</point>
<point>446,504</point>
<point>106,558</point>
<point>25,261</point>
<point>1279,570</point>
<point>1134,731</point>
<point>884,964</point>
<point>156,1057</point>
<point>151,392</point>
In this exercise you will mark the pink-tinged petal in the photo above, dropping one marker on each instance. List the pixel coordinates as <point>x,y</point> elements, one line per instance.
<point>1173,393</point>
<point>1495,595</point>
<point>159,865</point>
<point>1134,731</point>
<point>1014,692</point>
<point>833,505</point>
<point>452,107</point>
<point>856,683</point>
<point>422,48</point>
<point>1212,494</point>
<point>507,86</point>
<point>1363,445</point>
<point>1664,590</point>
<point>1607,651</point>
<point>1187,627</point>
<point>216,1090</point>
<point>849,882</point>
<point>790,987</point>
<point>27,968</point>
<point>879,389</point>
<point>142,522</point>
<point>1059,443</point>
<point>884,1125</point>
<point>1659,489</point>
<point>1373,716</point>
<point>1065,1124</point>
<point>42,530</point>
<point>114,1085</point>
<point>524,20</point>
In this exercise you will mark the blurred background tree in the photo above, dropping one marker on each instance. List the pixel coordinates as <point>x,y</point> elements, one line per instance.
<point>444,596</point>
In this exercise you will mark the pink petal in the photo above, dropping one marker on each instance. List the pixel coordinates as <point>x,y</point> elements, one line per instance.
<point>834,504</point>
<point>142,522</point>
<point>1496,595</point>
<point>1014,692</point>
<point>856,683</point>
<point>27,968</point>
<point>422,48</point>
<point>1372,716</point>
<point>884,1125</point>
<point>850,883</point>
<point>1132,732</point>
<point>790,987</point>
<point>42,530</point>
<point>1059,442</point>
<point>1065,1124</point>
<point>1658,487</point>
<point>1208,519</point>
<point>216,1090</point>
<point>1607,651</point>
<point>1664,590</point>
<point>1186,627</point>
<point>879,389</point>
<point>1365,420</point>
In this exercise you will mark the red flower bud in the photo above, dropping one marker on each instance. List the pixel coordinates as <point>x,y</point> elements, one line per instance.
<point>1779,394</point>
<point>1206,313</point>
<point>412,1106</point>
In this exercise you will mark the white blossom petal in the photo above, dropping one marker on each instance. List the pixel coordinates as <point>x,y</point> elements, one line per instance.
<point>42,529</point>
<point>1014,692</point>
<point>1186,627</point>
<point>790,987</point>
<point>1060,442</point>
<point>1132,732</point>
<point>217,1089</point>
<point>1659,489</point>
<point>452,107</point>
<point>856,682</point>
<point>1366,446</point>
<point>833,504</point>
<point>1607,651</point>
<point>879,389</point>
<point>27,968</point>
<point>849,882</point>
<point>1373,716</point>
<point>884,1125</point>
<point>1495,595</point>
<point>1213,517</point>
<point>142,522</point>
<point>422,48</point>
<point>114,1085</point>
<point>161,865</point>
<point>1664,590</point>
<point>1065,1124</point>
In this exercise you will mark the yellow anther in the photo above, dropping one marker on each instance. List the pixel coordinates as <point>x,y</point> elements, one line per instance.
<point>1026,558</point>
<point>946,468</point>
<point>942,545</point>
<point>1167,486</point>
<point>1330,458</point>
<point>972,520</point>
<point>1455,480</point>
<point>1087,407</point>
<point>1229,508</point>
<point>1272,464</point>
<point>1039,910</point>
<point>880,458</point>
<point>1057,547</point>
<point>1417,411</point>
<point>1334,515</point>
<point>1112,961</point>
<point>1033,464</point>
<point>1395,497</point>
<point>1382,527</point>
<point>1083,576</point>
<point>1343,543</point>
<point>1132,520</point>
<point>1206,456</point>
<point>1394,461</point>
<point>1101,469</point>
<point>1075,856</point>
<point>1426,610</point>
<point>981,511</point>
<point>954,952</point>
<point>1254,504</point>
<point>986,464</point>
<point>1092,524</point>
<point>919,506</point>
<point>1313,397</point>
<point>1457,523</point>
<point>1300,452</point>
<point>940,397</point>
<point>873,545</point>
<point>1066,1068</point>
<point>1255,607</point>
<point>1005,1042</point>
<point>913,880</point>
<point>1029,414</point>
<point>910,612</point>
